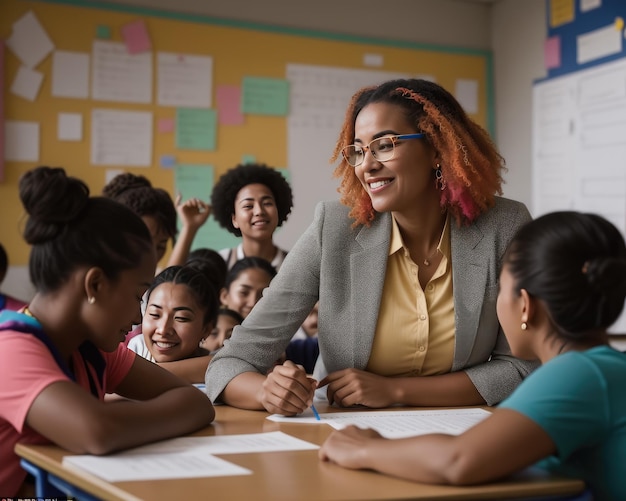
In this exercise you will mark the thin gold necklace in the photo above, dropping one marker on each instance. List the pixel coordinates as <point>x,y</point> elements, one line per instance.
<point>427,260</point>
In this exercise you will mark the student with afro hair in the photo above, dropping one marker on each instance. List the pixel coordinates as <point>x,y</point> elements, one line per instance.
<point>251,201</point>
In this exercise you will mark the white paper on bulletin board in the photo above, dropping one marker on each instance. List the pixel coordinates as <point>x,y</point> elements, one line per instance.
<point>579,145</point>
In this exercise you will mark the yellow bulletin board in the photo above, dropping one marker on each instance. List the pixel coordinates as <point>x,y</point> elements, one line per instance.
<point>238,51</point>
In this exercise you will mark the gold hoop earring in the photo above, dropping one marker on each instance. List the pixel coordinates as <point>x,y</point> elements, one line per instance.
<point>524,326</point>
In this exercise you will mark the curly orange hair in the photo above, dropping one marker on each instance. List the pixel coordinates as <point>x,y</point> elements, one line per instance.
<point>470,163</point>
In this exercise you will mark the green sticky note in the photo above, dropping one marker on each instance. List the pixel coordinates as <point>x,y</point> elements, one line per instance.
<point>103,32</point>
<point>196,181</point>
<point>196,129</point>
<point>265,96</point>
<point>286,174</point>
<point>248,159</point>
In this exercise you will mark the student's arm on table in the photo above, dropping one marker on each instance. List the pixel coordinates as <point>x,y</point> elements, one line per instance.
<point>193,214</point>
<point>285,390</point>
<point>349,387</point>
<point>502,444</point>
<point>162,406</point>
<point>191,370</point>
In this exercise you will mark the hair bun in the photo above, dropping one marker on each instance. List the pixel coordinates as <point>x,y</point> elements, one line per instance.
<point>125,182</point>
<point>52,200</point>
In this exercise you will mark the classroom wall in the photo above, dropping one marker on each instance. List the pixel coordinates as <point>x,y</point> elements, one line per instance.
<point>514,31</point>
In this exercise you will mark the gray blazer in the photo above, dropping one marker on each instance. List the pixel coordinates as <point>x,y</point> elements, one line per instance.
<point>345,268</point>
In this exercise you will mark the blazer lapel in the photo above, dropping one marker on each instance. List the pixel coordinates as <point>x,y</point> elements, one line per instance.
<point>470,281</point>
<point>368,264</point>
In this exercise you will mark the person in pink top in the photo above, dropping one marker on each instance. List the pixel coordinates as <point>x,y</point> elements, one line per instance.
<point>91,261</point>
<point>7,302</point>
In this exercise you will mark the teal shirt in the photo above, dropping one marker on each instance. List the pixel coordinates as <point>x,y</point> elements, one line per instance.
<point>579,399</point>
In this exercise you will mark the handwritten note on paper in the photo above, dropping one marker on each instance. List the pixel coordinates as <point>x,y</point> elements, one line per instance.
<point>119,76</point>
<point>228,99</point>
<point>466,93</point>
<point>21,141</point>
<point>121,138</point>
<point>29,40</point>
<point>397,424</point>
<point>136,37</point>
<point>196,129</point>
<point>265,96</point>
<point>70,127</point>
<point>70,74</point>
<point>184,80</point>
<point>121,467</point>
<point>27,83</point>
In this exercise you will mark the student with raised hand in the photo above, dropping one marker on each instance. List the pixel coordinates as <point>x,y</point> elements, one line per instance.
<point>245,283</point>
<point>91,261</point>
<point>251,201</point>
<point>405,269</point>
<point>562,285</point>
<point>158,211</point>
<point>181,312</point>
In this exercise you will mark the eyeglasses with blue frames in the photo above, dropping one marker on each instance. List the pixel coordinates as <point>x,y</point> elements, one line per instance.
<point>382,149</point>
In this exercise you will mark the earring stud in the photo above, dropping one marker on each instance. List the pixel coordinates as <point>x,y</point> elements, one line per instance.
<point>91,300</point>
<point>524,326</point>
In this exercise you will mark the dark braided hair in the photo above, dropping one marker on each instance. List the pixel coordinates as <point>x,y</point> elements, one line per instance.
<point>67,229</point>
<point>138,194</point>
<point>576,264</point>
<point>229,184</point>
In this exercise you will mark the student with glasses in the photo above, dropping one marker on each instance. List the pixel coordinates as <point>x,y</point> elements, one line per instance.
<point>405,268</point>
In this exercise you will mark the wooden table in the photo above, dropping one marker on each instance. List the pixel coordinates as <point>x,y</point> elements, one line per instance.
<point>293,475</point>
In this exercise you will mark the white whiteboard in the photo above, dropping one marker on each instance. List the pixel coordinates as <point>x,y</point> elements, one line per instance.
<point>579,145</point>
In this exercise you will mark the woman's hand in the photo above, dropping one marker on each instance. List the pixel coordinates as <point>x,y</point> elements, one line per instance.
<point>287,390</point>
<point>350,387</point>
<point>348,447</point>
<point>193,213</point>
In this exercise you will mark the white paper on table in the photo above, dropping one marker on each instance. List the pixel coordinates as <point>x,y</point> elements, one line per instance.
<point>70,127</point>
<point>27,83</point>
<point>121,138</point>
<point>184,81</point>
<point>70,74</point>
<point>397,424</point>
<point>21,141</point>
<point>124,467</point>
<point>227,444</point>
<point>120,76</point>
<point>29,41</point>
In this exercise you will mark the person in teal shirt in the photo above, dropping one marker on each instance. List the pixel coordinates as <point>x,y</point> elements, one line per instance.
<point>562,285</point>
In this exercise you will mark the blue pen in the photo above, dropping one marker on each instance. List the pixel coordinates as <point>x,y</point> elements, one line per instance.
<point>315,413</point>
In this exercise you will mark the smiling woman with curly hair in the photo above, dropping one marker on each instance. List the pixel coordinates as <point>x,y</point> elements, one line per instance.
<point>405,269</point>
<point>251,201</point>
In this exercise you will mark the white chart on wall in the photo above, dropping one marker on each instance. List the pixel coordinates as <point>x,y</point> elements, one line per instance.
<point>318,102</point>
<point>579,145</point>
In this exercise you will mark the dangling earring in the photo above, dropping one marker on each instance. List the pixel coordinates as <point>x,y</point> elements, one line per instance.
<point>91,300</point>
<point>524,326</point>
<point>440,182</point>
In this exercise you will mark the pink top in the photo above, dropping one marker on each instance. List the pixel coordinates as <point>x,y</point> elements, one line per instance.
<point>26,368</point>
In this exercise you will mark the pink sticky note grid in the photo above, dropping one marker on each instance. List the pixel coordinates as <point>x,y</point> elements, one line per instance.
<point>552,52</point>
<point>228,99</point>
<point>165,125</point>
<point>136,37</point>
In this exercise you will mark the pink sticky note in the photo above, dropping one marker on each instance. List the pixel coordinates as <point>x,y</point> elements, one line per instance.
<point>228,99</point>
<point>136,37</point>
<point>165,125</point>
<point>552,52</point>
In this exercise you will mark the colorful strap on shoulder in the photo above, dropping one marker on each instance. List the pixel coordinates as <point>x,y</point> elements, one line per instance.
<point>20,322</point>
